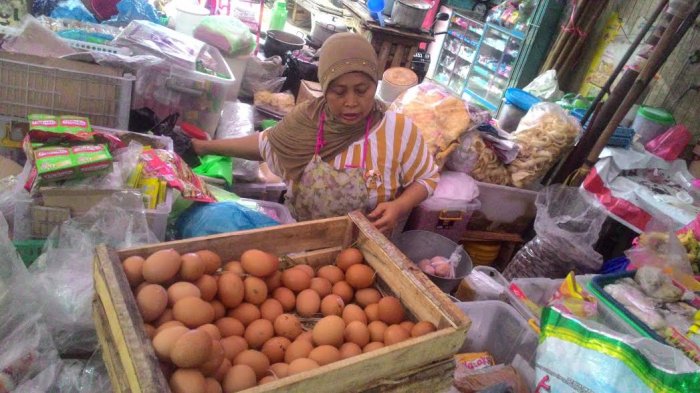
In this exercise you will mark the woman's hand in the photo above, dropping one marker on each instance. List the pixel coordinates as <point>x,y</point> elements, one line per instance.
<point>386,215</point>
<point>197,147</point>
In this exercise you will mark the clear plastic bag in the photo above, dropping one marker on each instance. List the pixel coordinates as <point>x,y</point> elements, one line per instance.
<point>545,86</point>
<point>262,75</point>
<point>441,117</point>
<point>228,34</point>
<point>671,143</point>
<point>475,158</point>
<point>237,120</point>
<point>125,161</point>
<point>544,134</point>
<point>440,266</point>
<point>567,227</point>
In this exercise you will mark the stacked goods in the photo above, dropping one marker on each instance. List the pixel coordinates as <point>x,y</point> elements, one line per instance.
<point>249,323</point>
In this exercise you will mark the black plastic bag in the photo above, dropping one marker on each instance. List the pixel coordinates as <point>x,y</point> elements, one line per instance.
<point>181,142</point>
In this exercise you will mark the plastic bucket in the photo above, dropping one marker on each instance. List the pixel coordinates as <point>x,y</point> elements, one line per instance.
<point>188,17</point>
<point>418,245</point>
<point>651,122</point>
<point>517,103</point>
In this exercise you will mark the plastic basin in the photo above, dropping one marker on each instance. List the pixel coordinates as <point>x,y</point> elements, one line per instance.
<point>418,245</point>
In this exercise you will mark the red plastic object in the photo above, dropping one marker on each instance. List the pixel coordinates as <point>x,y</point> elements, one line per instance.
<point>194,132</point>
<point>671,143</point>
<point>103,9</point>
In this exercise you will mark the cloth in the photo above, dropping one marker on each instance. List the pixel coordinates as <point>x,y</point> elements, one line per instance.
<point>396,152</point>
<point>294,137</point>
<point>324,191</point>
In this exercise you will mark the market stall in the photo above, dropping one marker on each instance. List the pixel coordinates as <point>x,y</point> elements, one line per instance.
<point>139,257</point>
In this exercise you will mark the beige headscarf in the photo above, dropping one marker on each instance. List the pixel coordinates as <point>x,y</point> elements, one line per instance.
<point>294,138</point>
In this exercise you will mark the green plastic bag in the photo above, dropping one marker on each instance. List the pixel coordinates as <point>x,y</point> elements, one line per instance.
<point>216,167</point>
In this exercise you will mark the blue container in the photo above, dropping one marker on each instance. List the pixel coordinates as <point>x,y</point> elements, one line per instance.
<point>518,102</point>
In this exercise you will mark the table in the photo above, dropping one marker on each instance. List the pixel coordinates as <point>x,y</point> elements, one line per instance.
<point>395,47</point>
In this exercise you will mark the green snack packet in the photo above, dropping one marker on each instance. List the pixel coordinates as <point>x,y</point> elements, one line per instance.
<point>56,129</point>
<point>60,162</point>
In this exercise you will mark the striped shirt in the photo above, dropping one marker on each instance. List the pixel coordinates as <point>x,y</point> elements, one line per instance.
<point>395,151</point>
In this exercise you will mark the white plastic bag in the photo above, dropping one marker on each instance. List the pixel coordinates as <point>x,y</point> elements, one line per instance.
<point>237,120</point>
<point>545,86</point>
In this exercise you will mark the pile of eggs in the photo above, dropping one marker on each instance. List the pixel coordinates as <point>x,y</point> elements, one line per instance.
<point>227,328</point>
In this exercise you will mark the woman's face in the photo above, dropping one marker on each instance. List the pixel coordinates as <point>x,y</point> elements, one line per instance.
<point>350,97</point>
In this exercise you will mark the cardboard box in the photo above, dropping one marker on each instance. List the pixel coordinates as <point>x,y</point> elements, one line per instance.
<point>308,90</point>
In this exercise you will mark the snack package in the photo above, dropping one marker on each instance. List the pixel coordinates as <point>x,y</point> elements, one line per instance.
<point>571,298</point>
<point>499,378</point>
<point>441,117</point>
<point>169,166</point>
<point>473,361</point>
<point>487,167</point>
<point>70,162</point>
<point>544,134</point>
<point>56,129</point>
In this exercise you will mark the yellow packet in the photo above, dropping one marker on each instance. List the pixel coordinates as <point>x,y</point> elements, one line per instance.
<point>162,189</point>
<point>474,361</point>
<point>573,299</point>
<point>150,188</point>
<point>135,176</point>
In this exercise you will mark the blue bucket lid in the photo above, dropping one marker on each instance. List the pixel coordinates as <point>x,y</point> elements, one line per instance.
<point>520,98</point>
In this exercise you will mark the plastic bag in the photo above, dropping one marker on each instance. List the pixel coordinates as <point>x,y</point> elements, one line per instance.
<point>228,34</point>
<point>441,117</point>
<point>36,39</point>
<point>455,192</point>
<point>499,141</point>
<point>73,9</point>
<point>576,355</point>
<point>545,86</point>
<point>440,266</point>
<point>168,166</point>
<point>63,273</point>
<point>483,287</point>
<point>573,299</point>
<point>544,134</point>
<point>475,158</point>
<point>262,75</point>
<point>130,10</point>
<point>277,104</point>
<point>125,161</point>
<point>216,167</point>
<point>237,120</point>
<point>671,143</point>
<point>220,217</point>
<point>81,375</point>
<point>567,228</point>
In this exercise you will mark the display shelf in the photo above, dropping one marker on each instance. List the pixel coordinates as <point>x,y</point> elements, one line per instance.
<point>514,33</point>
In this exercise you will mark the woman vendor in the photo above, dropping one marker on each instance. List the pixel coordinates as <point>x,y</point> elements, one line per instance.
<point>340,152</point>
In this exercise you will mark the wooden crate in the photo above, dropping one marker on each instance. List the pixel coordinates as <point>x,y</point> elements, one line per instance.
<point>419,364</point>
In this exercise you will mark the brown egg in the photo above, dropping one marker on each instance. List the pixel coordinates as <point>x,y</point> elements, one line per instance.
<point>191,349</point>
<point>322,286</point>
<point>376,331</point>
<point>181,290</point>
<point>150,330</point>
<point>187,381</point>
<point>255,290</point>
<point>395,334</point>
<point>349,350</point>
<point>234,267</point>
<point>217,356</point>
<point>329,331</point>
<point>296,279</point>
<point>233,345</point>
<point>133,267</point>
<point>353,312</point>
<point>230,327</point>
<point>193,312</point>
<point>258,332</point>
<point>366,296</point>
<point>192,267</point>
<point>274,280</point>
<point>168,324</point>
<point>390,310</point>
<point>267,379</point>
<point>213,386</point>
<point>332,305</point>
<point>271,309</point>
<point>161,266</point>
<point>288,326</point>
<point>286,298</point>
<point>223,369</point>
<point>348,257</point>
<point>211,330</point>
<point>275,348</point>
<point>165,339</point>
<point>259,263</point>
<point>357,332</point>
<point>372,346</point>
<point>372,312</point>
<point>255,359</point>
<point>279,370</point>
<point>219,309</point>
<point>165,317</point>
<point>324,354</point>
<point>301,365</point>
<point>152,301</point>
<point>308,303</point>
<point>239,377</point>
<point>207,286</point>
<point>421,328</point>
<point>344,290</point>
<point>306,336</point>
<point>306,268</point>
<point>297,349</point>
<point>140,287</point>
<point>407,325</point>
<point>231,290</point>
<point>245,313</point>
<point>331,273</point>
<point>211,260</point>
<point>360,276</point>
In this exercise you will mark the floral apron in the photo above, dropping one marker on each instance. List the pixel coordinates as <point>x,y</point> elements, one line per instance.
<point>323,191</point>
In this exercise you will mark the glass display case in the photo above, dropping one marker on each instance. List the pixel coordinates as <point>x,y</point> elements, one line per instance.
<point>458,52</point>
